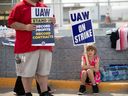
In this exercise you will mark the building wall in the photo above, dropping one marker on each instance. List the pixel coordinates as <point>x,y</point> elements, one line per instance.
<point>66,58</point>
<point>5,1</point>
<point>115,14</point>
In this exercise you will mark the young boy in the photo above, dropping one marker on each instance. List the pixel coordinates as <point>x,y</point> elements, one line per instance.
<point>90,70</point>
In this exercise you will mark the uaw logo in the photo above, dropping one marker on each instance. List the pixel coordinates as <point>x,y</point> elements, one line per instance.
<point>43,42</point>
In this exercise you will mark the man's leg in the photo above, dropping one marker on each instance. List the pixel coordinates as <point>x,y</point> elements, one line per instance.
<point>43,82</point>
<point>27,69</point>
<point>38,87</point>
<point>39,90</point>
<point>43,70</point>
<point>27,83</point>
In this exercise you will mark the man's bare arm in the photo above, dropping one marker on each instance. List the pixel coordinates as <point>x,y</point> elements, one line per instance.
<point>21,26</point>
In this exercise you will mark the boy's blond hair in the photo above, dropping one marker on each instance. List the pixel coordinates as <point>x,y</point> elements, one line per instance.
<point>91,47</point>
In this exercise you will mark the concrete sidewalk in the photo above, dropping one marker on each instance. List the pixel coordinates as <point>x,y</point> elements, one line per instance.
<point>69,88</point>
<point>64,92</point>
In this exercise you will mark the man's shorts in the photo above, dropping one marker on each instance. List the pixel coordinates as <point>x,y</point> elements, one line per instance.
<point>32,63</point>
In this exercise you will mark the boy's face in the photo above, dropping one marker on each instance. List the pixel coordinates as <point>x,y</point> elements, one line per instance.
<point>91,52</point>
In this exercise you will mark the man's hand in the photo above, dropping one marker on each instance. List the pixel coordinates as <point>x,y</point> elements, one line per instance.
<point>30,27</point>
<point>53,20</point>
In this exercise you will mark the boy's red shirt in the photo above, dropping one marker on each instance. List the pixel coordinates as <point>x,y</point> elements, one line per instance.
<point>22,13</point>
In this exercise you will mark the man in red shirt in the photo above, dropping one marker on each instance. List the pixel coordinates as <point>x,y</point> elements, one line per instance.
<point>30,60</point>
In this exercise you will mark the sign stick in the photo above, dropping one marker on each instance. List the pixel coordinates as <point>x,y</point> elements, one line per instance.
<point>86,56</point>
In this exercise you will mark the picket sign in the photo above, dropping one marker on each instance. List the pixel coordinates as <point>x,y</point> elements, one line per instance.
<point>82,31</point>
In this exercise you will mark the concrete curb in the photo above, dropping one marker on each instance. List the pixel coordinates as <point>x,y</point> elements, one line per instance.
<point>114,86</point>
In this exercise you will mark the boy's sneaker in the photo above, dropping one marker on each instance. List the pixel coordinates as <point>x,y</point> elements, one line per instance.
<point>95,88</point>
<point>46,93</point>
<point>82,90</point>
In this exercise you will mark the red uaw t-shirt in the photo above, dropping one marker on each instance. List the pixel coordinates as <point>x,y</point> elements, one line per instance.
<point>22,13</point>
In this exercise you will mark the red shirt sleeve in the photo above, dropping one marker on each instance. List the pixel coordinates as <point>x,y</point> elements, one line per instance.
<point>14,15</point>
